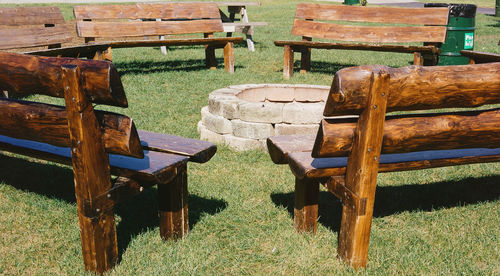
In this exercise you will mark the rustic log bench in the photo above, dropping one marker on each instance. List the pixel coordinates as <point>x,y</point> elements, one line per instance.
<point>98,144</point>
<point>127,21</point>
<point>22,28</point>
<point>384,31</point>
<point>347,153</point>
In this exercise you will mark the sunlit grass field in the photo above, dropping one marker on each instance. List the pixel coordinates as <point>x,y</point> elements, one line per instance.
<point>438,221</point>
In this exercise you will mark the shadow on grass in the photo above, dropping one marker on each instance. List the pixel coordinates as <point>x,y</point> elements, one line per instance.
<point>138,214</point>
<point>322,67</point>
<point>395,199</point>
<point>147,66</point>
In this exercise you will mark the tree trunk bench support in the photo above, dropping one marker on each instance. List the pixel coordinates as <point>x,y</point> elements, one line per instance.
<point>97,144</point>
<point>154,20</point>
<point>428,26</point>
<point>347,153</point>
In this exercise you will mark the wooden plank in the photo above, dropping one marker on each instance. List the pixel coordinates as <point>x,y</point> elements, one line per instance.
<point>25,75</point>
<point>21,16</point>
<point>33,36</point>
<point>196,150</point>
<point>229,57</point>
<point>396,15</point>
<point>418,132</point>
<point>147,28</point>
<point>303,164</point>
<point>481,57</point>
<point>358,46</point>
<point>280,146</point>
<point>166,11</point>
<point>374,34</point>
<point>155,167</point>
<point>288,59</point>
<point>91,175</point>
<point>417,88</point>
<point>49,124</point>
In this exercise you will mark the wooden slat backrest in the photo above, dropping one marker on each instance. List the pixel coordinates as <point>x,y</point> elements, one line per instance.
<point>25,75</point>
<point>180,18</point>
<point>25,27</point>
<point>304,24</point>
<point>21,16</point>
<point>417,87</point>
<point>389,15</point>
<point>412,88</point>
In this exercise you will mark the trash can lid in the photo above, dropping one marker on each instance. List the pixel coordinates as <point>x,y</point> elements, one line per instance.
<point>456,10</point>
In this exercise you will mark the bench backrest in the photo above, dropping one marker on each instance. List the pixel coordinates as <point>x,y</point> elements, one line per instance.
<point>407,23</point>
<point>93,82</point>
<point>23,27</point>
<point>127,20</point>
<point>370,91</point>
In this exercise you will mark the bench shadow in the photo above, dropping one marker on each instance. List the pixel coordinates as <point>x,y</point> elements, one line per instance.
<point>145,67</point>
<point>138,214</point>
<point>396,199</point>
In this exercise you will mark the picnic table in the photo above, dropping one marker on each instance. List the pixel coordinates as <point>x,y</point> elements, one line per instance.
<point>232,24</point>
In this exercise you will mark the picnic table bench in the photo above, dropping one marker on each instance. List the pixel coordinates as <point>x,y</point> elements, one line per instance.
<point>348,152</point>
<point>382,29</point>
<point>97,144</point>
<point>126,21</point>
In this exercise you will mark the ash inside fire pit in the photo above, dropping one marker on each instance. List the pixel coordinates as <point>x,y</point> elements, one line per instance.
<point>243,116</point>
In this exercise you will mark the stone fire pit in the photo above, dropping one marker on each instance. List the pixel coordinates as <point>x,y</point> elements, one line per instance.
<point>243,116</point>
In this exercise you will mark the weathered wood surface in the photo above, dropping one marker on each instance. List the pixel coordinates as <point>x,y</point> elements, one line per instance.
<point>419,132</point>
<point>147,28</point>
<point>165,11</point>
<point>305,214</point>
<point>368,47</point>
<point>280,146</point>
<point>20,16</point>
<point>480,57</point>
<point>416,87</point>
<point>412,16</point>
<point>79,51</point>
<point>49,124</point>
<point>303,165</point>
<point>25,75</point>
<point>154,168</point>
<point>374,34</point>
<point>197,150</point>
<point>91,175</point>
<point>33,37</point>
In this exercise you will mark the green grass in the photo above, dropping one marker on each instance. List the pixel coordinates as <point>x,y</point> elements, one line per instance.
<point>436,221</point>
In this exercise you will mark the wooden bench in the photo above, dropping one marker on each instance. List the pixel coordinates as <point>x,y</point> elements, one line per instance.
<point>347,153</point>
<point>98,144</point>
<point>126,21</point>
<point>480,57</point>
<point>384,30</point>
<point>22,28</point>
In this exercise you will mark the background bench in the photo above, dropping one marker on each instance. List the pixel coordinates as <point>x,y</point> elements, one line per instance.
<point>98,144</point>
<point>347,153</point>
<point>126,21</point>
<point>41,31</point>
<point>380,35</point>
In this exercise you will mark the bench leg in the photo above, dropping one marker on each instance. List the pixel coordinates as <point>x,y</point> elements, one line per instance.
<point>305,60</point>
<point>229,57</point>
<point>103,55</point>
<point>288,62</point>
<point>306,205</point>
<point>173,206</point>
<point>418,59</point>
<point>210,57</point>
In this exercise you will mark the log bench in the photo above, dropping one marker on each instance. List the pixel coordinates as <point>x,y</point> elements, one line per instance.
<point>30,29</point>
<point>122,22</point>
<point>111,160</point>
<point>348,152</point>
<point>371,29</point>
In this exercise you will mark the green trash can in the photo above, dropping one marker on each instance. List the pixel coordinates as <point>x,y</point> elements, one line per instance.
<point>459,34</point>
<point>351,2</point>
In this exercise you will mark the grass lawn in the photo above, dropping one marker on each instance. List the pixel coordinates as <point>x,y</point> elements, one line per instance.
<point>435,221</point>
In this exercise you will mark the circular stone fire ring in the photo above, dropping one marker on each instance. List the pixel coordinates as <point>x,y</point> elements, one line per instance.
<point>243,116</point>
